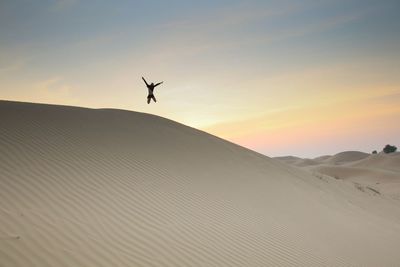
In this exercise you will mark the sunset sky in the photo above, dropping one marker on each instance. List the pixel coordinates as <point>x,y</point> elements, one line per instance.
<point>303,78</point>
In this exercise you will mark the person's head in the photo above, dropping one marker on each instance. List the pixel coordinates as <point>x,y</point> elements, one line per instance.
<point>152,84</point>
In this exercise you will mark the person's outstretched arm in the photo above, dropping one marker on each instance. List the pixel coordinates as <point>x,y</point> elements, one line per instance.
<point>144,81</point>
<point>157,84</point>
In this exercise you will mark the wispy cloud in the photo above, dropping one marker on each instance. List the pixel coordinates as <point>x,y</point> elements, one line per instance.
<point>317,27</point>
<point>233,28</point>
<point>11,67</point>
<point>13,59</point>
<point>61,5</point>
<point>53,90</point>
<point>232,16</point>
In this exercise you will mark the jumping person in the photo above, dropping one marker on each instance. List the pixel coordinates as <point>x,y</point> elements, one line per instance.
<point>151,87</point>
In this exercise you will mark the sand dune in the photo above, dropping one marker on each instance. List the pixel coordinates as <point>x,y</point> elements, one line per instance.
<point>84,187</point>
<point>372,180</point>
<point>344,157</point>
<point>305,162</point>
<point>383,161</point>
<point>376,173</point>
<point>289,159</point>
<point>322,158</point>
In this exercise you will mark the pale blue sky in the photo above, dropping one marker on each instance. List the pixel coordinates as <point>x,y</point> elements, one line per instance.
<point>223,62</point>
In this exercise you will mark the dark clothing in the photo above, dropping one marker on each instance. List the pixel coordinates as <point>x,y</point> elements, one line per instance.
<point>150,88</point>
<point>150,97</point>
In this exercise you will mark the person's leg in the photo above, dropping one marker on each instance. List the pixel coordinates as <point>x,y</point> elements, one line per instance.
<point>148,99</point>
<point>154,98</point>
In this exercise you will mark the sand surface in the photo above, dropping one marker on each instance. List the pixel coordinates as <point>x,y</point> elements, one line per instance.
<point>377,174</point>
<point>85,187</point>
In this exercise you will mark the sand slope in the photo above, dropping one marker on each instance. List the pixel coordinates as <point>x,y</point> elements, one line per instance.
<point>83,187</point>
<point>389,161</point>
<point>377,174</point>
<point>342,157</point>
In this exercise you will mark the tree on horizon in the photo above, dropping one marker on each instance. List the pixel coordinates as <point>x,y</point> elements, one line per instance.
<point>389,149</point>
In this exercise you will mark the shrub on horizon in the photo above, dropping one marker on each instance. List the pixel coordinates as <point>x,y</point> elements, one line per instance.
<point>389,149</point>
<point>374,152</point>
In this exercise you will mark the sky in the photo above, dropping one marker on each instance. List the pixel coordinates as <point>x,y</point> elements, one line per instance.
<point>303,78</point>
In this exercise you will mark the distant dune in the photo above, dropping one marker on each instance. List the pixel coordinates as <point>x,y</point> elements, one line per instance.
<point>322,158</point>
<point>85,187</point>
<point>377,173</point>
<point>383,161</point>
<point>290,159</point>
<point>342,157</point>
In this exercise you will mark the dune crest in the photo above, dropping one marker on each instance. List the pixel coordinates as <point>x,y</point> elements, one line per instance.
<point>345,157</point>
<point>378,174</point>
<point>85,187</point>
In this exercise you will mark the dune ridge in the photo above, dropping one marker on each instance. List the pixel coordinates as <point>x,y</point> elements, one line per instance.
<point>85,187</point>
<point>343,157</point>
<point>378,174</point>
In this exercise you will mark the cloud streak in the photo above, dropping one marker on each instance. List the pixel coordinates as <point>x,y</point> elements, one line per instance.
<point>11,68</point>
<point>62,5</point>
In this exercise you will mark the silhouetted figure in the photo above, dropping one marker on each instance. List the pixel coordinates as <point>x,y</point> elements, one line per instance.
<point>151,87</point>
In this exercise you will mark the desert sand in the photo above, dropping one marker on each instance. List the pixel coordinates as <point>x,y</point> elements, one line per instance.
<point>377,174</point>
<point>87,187</point>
